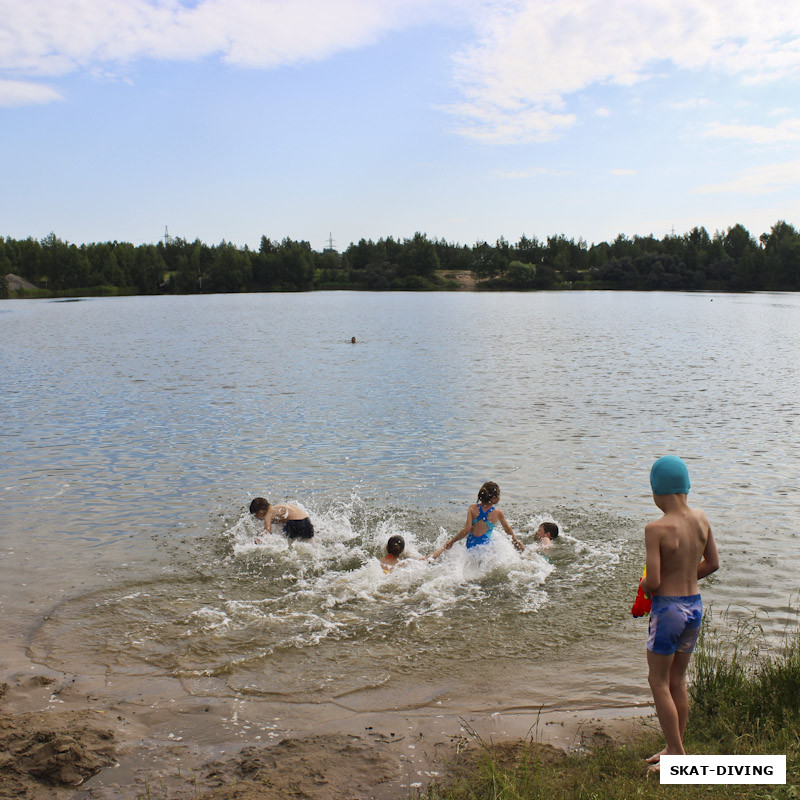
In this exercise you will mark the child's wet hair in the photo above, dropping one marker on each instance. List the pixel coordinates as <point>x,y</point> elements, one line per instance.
<point>259,504</point>
<point>395,545</point>
<point>489,490</point>
<point>551,528</point>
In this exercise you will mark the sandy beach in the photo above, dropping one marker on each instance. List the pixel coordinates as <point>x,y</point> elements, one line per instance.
<point>89,734</point>
<point>60,742</point>
<point>120,731</point>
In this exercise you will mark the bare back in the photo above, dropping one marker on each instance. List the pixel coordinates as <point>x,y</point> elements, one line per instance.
<point>286,511</point>
<point>282,513</point>
<point>676,545</point>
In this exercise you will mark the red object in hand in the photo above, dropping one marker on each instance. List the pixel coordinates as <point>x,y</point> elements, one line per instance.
<point>641,605</point>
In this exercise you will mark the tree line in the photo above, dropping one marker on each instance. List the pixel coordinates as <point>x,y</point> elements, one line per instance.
<point>732,260</point>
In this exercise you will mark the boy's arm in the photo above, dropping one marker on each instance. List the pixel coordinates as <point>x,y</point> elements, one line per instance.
<point>507,528</point>
<point>652,544</point>
<point>710,561</point>
<point>269,519</point>
<point>267,526</point>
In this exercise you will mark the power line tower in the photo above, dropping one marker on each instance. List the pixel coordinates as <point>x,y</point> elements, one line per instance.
<point>330,244</point>
<point>167,238</point>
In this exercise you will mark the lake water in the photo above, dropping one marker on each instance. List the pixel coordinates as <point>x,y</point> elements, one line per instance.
<point>135,431</point>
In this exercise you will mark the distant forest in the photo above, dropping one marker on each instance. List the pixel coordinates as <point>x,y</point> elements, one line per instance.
<point>726,261</point>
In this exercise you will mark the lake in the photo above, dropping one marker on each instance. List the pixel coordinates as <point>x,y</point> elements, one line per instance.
<point>136,430</point>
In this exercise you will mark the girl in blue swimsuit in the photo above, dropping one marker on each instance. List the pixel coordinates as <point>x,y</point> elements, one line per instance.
<point>481,519</point>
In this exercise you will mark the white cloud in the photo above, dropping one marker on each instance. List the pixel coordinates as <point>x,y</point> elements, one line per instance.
<point>766,179</point>
<point>603,112</point>
<point>22,93</point>
<point>492,123</point>
<point>622,172</point>
<point>534,54</point>
<point>786,131</point>
<point>54,37</point>
<point>525,60</point>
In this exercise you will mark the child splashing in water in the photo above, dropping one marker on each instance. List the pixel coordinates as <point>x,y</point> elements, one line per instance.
<point>546,534</point>
<point>296,524</point>
<point>481,519</point>
<point>394,549</point>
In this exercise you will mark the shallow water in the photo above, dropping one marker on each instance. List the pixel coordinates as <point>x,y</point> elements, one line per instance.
<point>136,430</point>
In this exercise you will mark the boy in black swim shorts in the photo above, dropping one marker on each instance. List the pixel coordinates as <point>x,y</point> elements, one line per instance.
<point>296,524</point>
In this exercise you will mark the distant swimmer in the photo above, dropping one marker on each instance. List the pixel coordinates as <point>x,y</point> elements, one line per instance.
<point>395,547</point>
<point>296,524</point>
<point>353,340</point>
<point>481,519</point>
<point>546,534</point>
<point>680,550</point>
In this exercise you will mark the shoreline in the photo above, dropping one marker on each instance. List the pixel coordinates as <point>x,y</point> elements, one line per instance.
<point>461,284</point>
<point>91,728</point>
<point>62,741</point>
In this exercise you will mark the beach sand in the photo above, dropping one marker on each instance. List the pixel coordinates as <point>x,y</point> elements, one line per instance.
<point>63,737</point>
<point>102,730</point>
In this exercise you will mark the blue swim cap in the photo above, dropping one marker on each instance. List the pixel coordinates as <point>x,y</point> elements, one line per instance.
<point>669,475</point>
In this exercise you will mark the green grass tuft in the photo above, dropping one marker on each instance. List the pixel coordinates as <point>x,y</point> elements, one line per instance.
<point>744,695</point>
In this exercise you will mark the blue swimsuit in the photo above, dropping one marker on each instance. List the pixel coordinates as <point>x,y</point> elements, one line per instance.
<point>674,624</point>
<point>483,516</point>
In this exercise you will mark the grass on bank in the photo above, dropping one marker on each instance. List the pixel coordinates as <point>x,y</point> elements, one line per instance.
<point>745,699</point>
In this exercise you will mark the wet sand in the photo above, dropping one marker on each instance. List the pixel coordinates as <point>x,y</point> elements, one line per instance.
<point>63,736</point>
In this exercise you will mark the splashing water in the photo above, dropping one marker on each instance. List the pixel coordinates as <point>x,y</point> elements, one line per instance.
<point>259,614</point>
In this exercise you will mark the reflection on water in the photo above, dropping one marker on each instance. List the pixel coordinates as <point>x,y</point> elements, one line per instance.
<point>139,429</point>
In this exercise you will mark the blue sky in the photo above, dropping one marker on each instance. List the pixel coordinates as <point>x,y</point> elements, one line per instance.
<point>468,120</point>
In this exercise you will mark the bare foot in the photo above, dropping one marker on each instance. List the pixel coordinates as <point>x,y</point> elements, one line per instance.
<point>656,757</point>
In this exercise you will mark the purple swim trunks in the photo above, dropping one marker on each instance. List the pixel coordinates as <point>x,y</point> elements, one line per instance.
<point>674,624</point>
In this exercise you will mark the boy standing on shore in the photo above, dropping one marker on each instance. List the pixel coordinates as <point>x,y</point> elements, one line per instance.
<point>680,550</point>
